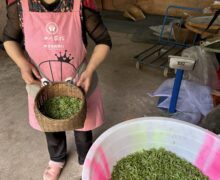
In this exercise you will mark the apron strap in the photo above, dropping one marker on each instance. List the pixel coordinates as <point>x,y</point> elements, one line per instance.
<point>25,5</point>
<point>77,5</point>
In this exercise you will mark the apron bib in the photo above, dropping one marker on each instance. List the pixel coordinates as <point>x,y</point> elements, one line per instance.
<point>53,41</point>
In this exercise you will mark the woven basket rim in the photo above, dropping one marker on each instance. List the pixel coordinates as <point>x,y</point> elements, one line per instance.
<point>60,120</point>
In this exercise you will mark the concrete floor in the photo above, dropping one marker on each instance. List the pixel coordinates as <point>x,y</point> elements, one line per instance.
<point>23,150</point>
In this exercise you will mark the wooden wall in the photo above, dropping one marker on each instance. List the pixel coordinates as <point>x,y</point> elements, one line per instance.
<point>153,6</point>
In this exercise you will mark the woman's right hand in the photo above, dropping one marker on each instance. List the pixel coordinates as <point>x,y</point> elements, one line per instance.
<point>30,74</point>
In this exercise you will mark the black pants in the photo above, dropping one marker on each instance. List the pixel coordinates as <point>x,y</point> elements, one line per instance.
<point>57,146</point>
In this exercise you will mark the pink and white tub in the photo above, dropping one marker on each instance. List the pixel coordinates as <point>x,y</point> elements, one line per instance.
<point>196,145</point>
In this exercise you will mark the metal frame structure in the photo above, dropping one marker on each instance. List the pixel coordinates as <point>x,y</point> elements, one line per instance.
<point>157,55</point>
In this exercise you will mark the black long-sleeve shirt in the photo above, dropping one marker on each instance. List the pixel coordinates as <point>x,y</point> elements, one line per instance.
<point>91,21</point>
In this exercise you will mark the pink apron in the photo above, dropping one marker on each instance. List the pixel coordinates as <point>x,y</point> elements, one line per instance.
<point>53,41</point>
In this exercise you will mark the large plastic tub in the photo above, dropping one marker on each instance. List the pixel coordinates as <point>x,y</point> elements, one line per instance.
<point>196,145</point>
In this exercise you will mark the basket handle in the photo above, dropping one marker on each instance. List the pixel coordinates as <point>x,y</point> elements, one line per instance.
<point>69,80</point>
<point>45,81</point>
<point>72,81</point>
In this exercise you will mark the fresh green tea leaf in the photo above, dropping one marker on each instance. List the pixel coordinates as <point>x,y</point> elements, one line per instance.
<point>61,107</point>
<point>155,164</point>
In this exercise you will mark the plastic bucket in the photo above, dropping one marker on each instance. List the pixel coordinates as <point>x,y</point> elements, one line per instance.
<point>196,145</point>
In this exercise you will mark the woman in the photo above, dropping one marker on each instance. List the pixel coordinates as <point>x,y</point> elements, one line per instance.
<point>55,31</point>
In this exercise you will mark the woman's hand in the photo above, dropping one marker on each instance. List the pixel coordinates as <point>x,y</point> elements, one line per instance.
<point>30,74</point>
<point>99,54</point>
<point>85,80</point>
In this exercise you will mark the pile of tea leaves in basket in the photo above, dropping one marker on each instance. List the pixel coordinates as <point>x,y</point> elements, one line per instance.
<point>61,107</point>
<point>155,164</point>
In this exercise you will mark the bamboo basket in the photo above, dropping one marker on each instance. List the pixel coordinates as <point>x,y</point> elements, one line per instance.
<point>47,124</point>
<point>204,34</point>
<point>201,22</point>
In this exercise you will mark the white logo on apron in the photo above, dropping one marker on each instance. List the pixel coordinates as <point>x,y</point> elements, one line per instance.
<point>54,41</point>
<point>52,28</point>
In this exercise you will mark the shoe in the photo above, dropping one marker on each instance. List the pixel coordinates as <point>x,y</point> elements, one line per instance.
<point>53,170</point>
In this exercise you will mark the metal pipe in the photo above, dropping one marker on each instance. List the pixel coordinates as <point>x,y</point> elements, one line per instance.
<point>162,54</point>
<point>145,51</point>
<point>176,89</point>
<point>142,59</point>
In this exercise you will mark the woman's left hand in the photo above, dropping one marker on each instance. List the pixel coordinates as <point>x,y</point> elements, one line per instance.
<point>99,54</point>
<point>85,80</point>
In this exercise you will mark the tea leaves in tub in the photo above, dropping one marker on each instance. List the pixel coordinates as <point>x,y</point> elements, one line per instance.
<point>155,164</point>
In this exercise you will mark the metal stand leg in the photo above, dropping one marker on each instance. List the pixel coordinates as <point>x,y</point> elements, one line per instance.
<point>176,89</point>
